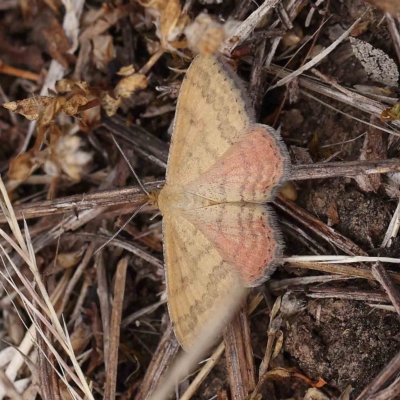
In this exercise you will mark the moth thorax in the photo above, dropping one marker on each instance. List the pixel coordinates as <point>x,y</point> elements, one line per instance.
<point>175,197</point>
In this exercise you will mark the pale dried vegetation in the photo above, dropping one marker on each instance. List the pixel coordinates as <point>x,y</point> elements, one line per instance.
<point>81,324</point>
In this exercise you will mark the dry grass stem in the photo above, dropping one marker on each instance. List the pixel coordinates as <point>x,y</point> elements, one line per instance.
<point>116,316</point>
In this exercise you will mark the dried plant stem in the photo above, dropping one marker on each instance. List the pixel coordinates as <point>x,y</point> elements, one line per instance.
<point>393,228</point>
<point>134,196</point>
<point>152,60</point>
<point>391,22</point>
<point>338,93</point>
<point>131,247</point>
<point>116,316</point>
<point>20,73</point>
<point>239,356</point>
<point>102,291</point>
<point>163,356</point>
<point>208,366</point>
<point>348,168</point>
<point>146,145</point>
<point>77,274</point>
<point>317,58</point>
<point>341,269</point>
<point>283,284</point>
<point>347,294</point>
<point>318,227</point>
<point>382,276</point>
<point>247,26</point>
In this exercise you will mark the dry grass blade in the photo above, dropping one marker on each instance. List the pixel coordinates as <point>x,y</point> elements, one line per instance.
<point>382,276</point>
<point>25,249</point>
<point>341,269</point>
<point>10,389</point>
<point>34,312</point>
<point>105,310</point>
<point>191,390</point>
<point>339,93</point>
<point>317,58</point>
<point>393,227</point>
<point>247,26</point>
<point>340,259</point>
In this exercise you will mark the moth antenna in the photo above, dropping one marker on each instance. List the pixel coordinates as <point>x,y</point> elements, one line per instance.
<point>130,166</point>
<point>122,227</point>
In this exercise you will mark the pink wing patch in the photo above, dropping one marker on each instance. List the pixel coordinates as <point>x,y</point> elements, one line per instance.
<point>249,171</point>
<point>245,236</point>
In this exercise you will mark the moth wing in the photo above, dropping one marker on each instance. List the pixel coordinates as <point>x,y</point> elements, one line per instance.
<point>251,170</point>
<point>199,280</point>
<point>245,235</point>
<point>212,113</point>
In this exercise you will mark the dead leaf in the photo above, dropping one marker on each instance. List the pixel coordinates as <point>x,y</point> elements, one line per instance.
<point>277,374</point>
<point>29,107</point>
<point>21,167</point>
<point>126,86</point>
<point>110,104</point>
<point>70,259</point>
<point>103,51</point>
<point>68,85</point>
<point>103,19</point>
<point>72,105</point>
<point>156,4</point>
<point>27,57</point>
<point>80,337</point>
<point>67,156</point>
<point>222,395</point>
<point>90,116</point>
<point>51,110</point>
<point>332,214</point>
<point>292,37</point>
<point>275,309</point>
<point>50,36</point>
<point>126,71</point>
<point>14,326</point>
<point>169,20</point>
<point>278,344</point>
<point>361,28</point>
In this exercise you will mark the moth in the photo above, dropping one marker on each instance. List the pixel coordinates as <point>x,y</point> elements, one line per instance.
<point>223,167</point>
